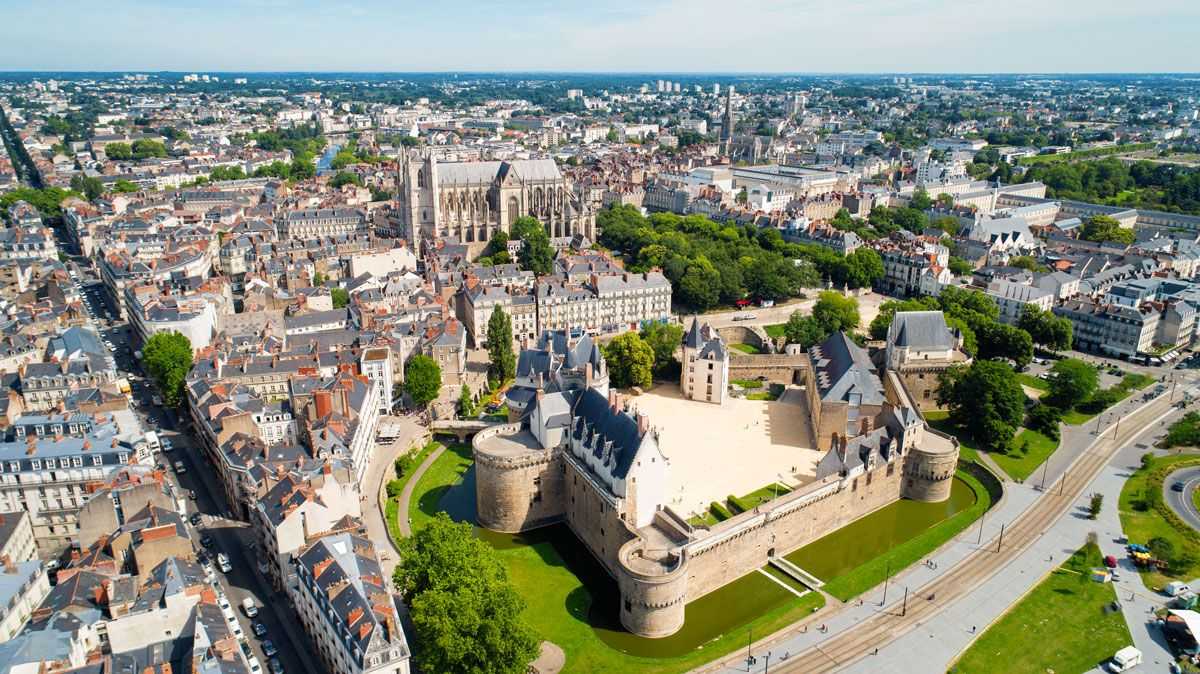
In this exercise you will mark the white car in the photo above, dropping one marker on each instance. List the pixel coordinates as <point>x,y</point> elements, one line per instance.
<point>223,563</point>
<point>255,666</point>
<point>180,469</point>
<point>249,607</point>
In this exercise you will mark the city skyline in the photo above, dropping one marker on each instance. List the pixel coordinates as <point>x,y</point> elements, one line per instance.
<point>761,36</point>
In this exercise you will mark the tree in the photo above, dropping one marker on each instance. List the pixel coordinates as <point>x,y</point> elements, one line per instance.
<point>168,357</point>
<point>1072,381</point>
<point>118,151</point>
<point>466,404</point>
<point>345,178</point>
<point>146,148</point>
<point>1046,329</point>
<point>467,616</point>
<point>1044,419</point>
<point>1094,506</point>
<point>123,186</point>
<point>997,340</point>
<point>699,287</point>
<point>318,279</point>
<point>664,340</point>
<point>833,312</point>
<point>985,398</point>
<point>341,298</point>
<point>422,380</point>
<point>960,267</point>
<point>863,268</point>
<point>1103,228</point>
<point>536,254</point>
<point>804,330</point>
<point>302,169</point>
<point>90,186</point>
<point>920,200</point>
<point>630,361</point>
<point>502,364</point>
<point>971,306</point>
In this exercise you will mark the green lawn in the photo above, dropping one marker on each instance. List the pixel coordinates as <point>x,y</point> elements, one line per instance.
<point>1075,417</point>
<point>1124,388</point>
<point>1032,381</point>
<point>748,383</point>
<point>772,393</point>
<point>1020,466</point>
<point>1059,627</point>
<point>761,496</point>
<point>851,541</point>
<point>1144,515</point>
<point>392,508</point>
<point>745,348</point>
<point>443,473</point>
<point>559,606</point>
<point>775,331</point>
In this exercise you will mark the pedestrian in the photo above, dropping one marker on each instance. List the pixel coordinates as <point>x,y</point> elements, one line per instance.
<point>876,651</point>
<point>972,629</point>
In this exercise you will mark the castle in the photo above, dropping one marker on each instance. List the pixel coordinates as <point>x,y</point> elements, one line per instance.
<point>471,201</point>
<point>579,454</point>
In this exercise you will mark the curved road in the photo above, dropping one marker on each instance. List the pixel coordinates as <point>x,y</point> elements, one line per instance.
<point>1181,501</point>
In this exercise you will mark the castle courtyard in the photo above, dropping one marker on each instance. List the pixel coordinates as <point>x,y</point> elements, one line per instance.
<point>733,448</point>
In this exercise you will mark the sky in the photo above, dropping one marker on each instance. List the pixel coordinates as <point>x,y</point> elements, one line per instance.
<point>645,36</point>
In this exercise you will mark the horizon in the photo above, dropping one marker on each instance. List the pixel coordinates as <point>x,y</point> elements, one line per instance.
<point>679,36</point>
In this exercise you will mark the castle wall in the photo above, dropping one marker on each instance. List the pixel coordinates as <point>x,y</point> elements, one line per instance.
<point>728,554</point>
<point>775,367</point>
<point>597,521</point>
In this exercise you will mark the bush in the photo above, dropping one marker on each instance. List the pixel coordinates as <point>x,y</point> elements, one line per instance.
<point>737,505</point>
<point>719,511</point>
<point>394,487</point>
<point>1044,419</point>
<point>402,464</point>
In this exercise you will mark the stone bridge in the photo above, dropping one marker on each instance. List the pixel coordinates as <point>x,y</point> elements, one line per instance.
<point>461,428</point>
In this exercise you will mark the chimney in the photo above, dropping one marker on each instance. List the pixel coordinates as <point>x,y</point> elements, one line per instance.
<point>614,400</point>
<point>643,422</point>
<point>324,403</point>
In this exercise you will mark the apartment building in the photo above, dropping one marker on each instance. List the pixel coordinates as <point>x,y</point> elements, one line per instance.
<point>1110,329</point>
<point>345,606</point>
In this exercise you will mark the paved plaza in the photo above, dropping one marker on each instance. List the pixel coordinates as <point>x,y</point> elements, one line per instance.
<point>734,448</point>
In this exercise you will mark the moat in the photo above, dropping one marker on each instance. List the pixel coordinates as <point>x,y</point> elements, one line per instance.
<point>548,563</point>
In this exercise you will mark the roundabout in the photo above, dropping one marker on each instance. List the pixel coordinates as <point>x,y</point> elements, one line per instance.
<point>1183,502</point>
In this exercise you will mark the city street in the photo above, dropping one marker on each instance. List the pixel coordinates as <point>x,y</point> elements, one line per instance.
<point>232,537</point>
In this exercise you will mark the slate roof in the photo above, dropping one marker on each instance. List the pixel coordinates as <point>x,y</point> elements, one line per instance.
<point>844,373</point>
<point>922,330</point>
<point>597,425</point>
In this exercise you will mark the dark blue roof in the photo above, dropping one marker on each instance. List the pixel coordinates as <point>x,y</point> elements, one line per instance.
<point>620,428</point>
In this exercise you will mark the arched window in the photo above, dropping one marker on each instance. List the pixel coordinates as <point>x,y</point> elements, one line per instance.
<point>514,209</point>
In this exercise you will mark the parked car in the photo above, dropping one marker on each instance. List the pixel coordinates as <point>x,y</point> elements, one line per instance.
<point>196,518</point>
<point>180,469</point>
<point>1177,486</point>
<point>1125,659</point>
<point>260,630</point>
<point>206,541</point>
<point>1176,588</point>
<point>276,666</point>
<point>250,609</point>
<point>255,665</point>
<point>269,649</point>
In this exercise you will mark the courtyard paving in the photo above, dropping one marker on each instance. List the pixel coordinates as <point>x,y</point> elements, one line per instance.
<point>734,448</point>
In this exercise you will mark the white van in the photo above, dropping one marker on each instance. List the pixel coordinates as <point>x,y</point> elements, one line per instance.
<point>1125,659</point>
<point>1175,588</point>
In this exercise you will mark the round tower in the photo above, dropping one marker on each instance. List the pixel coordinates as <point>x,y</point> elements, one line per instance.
<point>653,591</point>
<point>929,469</point>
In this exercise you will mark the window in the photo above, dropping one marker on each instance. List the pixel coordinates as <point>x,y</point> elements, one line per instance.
<point>97,460</point>
<point>36,464</point>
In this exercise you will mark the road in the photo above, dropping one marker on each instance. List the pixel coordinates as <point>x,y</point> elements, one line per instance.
<point>1181,501</point>
<point>232,537</point>
<point>855,631</point>
<point>868,308</point>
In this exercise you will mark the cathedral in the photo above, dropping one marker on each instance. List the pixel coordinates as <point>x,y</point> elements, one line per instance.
<point>471,201</point>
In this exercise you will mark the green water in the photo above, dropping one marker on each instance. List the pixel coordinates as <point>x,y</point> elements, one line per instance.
<point>871,536</point>
<point>708,618</point>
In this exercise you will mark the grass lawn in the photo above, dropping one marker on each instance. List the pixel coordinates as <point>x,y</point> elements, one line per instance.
<point>772,393</point>
<point>760,496</point>
<point>1032,381</point>
<point>745,348</point>
<point>870,573</point>
<point>391,509</point>
<point>1124,388</point>
<point>748,383</point>
<point>1075,417</point>
<point>1020,466</point>
<point>775,331</point>
<point>559,605</point>
<point>443,473</point>
<point>1144,516</point>
<point>1059,627</point>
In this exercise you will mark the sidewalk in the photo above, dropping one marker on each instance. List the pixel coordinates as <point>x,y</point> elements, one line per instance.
<point>373,496</point>
<point>940,641</point>
<point>941,638</point>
